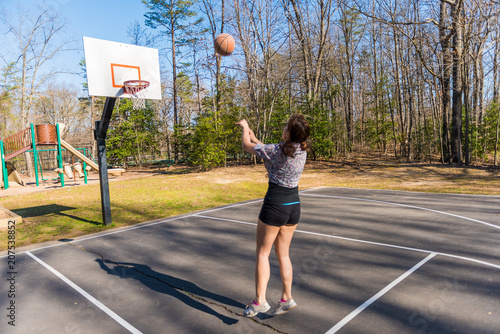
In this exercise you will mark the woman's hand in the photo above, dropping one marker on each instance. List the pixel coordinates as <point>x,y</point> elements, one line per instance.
<point>243,123</point>
<point>246,137</point>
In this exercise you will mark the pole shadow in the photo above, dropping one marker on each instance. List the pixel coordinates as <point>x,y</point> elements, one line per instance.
<point>171,286</point>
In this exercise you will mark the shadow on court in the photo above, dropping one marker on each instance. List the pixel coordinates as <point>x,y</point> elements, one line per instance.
<point>169,285</point>
<point>365,261</point>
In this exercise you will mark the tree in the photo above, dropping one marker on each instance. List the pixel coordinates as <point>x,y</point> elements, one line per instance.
<point>211,139</point>
<point>215,13</point>
<point>59,103</point>
<point>456,113</point>
<point>312,39</point>
<point>35,43</point>
<point>35,37</point>
<point>7,89</point>
<point>350,29</point>
<point>132,133</point>
<point>175,17</point>
<point>258,25</point>
<point>139,35</point>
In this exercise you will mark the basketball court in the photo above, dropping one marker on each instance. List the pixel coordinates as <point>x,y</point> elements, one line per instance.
<point>365,261</point>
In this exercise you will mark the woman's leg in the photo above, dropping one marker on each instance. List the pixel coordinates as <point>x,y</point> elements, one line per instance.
<point>282,247</point>
<point>266,235</point>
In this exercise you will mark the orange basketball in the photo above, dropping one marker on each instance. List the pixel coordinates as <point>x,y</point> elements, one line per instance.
<point>224,44</point>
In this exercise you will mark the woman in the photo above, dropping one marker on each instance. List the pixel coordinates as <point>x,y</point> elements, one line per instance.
<point>280,212</point>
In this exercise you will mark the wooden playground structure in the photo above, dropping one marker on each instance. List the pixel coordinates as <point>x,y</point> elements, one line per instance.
<point>30,140</point>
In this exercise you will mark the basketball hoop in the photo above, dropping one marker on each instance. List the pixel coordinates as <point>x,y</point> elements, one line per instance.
<point>137,91</point>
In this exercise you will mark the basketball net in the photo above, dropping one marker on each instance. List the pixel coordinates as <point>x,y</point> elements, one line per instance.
<point>137,91</point>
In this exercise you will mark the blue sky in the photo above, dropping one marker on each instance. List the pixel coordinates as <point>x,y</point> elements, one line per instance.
<point>103,19</point>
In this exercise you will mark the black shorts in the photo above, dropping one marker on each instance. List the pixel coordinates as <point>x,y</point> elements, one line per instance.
<point>280,214</point>
<point>281,206</point>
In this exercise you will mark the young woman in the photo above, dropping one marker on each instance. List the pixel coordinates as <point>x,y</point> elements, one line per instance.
<point>280,212</point>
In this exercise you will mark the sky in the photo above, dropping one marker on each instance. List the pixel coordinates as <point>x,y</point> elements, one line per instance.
<point>102,19</point>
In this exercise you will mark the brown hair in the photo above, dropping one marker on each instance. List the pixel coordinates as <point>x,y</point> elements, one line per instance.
<point>299,130</point>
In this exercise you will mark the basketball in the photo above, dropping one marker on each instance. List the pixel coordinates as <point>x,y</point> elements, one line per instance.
<point>224,44</point>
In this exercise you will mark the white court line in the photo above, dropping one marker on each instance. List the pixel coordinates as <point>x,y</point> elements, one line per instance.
<point>148,224</point>
<point>382,292</point>
<point>85,294</point>
<point>406,206</point>
<point>140,226</point>
<point>468,259</point>
<point>231,206</point>
<point>407,191</point>
<point>311,189</point>
<point>226,220</point>
<point>104,234</point>
<point>132,228</point>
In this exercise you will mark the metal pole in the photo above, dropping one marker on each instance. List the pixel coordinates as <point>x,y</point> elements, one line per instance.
<point>4,168</point>
<point>59,155</point>
<point>103,181</point>
<point>84,165</point>
<point>101,129</point>
<point>35,154</point>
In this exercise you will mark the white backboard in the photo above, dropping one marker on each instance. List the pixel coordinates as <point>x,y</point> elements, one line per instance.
<point>109,64</point>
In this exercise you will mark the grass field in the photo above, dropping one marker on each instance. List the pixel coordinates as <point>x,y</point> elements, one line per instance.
<point>69,212</point>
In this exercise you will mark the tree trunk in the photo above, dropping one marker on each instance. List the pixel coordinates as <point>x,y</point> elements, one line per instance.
<point>467,108</point>
<point>495,93</point>
<point>456,114</point>
<point>445,80</point>
<point>174,83</point>
<point>399,97</point>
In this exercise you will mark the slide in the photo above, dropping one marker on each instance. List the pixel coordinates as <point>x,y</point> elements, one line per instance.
<point>79,155</point>
<point>13,174</point>
<point>114,172</point>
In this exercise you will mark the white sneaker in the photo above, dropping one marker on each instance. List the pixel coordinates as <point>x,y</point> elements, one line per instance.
<point>284,307</point>
<point>253,309</point>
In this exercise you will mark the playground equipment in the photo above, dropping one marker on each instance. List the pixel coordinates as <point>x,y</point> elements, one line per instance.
<point>13,174</point>
<point>28,140</point>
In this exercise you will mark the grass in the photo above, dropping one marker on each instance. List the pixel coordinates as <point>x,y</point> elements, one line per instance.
<point>70,212</point>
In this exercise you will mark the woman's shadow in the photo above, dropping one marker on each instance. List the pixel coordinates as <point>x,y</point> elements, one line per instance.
<point>171,286</point>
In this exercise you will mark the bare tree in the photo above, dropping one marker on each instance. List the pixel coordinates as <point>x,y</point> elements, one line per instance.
<point>7,89</point>
<point>35,37</point>
<point>312,37</point>
<point>59,103</point>
<point>177,19</point>
<point>496,84</point>
<point>34,46</point>
<point>260,29</point>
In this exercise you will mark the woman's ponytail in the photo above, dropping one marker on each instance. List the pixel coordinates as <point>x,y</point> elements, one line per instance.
<point>299,130</point>
<point>289,148</point>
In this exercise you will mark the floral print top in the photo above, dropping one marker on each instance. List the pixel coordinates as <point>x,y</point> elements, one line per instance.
<point>282,170</point>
